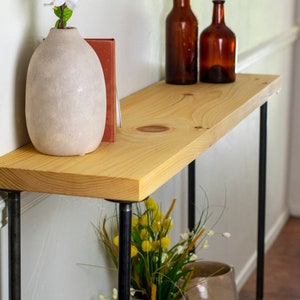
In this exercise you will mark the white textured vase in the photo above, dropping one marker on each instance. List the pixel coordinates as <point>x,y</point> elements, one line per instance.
<point>65,95</point>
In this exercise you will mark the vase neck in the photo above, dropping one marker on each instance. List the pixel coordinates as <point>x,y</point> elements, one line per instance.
<point>181,3</point>
<point>218,12</point>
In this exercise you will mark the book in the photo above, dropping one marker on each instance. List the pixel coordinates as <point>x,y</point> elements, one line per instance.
<point>105,50</point>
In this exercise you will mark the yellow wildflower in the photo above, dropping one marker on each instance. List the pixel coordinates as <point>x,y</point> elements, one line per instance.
<point>168,224</point>
<point>144,220</point>
<point>134,221</point>
<point>144,234</point>
<point>133,251</point>
<point>158,215</point>
<point>151,204</point>
<point>146,246</point>
<point>165,242</point>
<point>116,240</point>
<point>155,245</point>
<point>156,226</point>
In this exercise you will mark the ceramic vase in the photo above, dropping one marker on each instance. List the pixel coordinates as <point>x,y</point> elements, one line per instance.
<point>211,280</point>
<point>65,95</point>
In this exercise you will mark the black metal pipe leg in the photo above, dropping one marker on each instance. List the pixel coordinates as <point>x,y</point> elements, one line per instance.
<point>124,251</point>
<point>14,245</point>
<point>261,202</point>
<point>191,194</point>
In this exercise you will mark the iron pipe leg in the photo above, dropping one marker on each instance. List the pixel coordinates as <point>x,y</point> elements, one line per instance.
<point>191,194</point>
<point>14,245</point>
<point>124,250</point>
<point>261,202</point>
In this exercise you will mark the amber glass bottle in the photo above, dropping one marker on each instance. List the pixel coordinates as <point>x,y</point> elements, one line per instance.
<point>217,49</point>
<point>181,44</point>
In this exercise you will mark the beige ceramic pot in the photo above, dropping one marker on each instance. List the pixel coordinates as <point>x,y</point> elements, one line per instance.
<point>211,281</point>
<point>65,95</point>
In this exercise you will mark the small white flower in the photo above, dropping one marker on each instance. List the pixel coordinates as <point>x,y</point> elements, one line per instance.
<point>132,292</point>
<point>58,2</point>
<point>101,297</point>
<point>210,233</point>
<point>115,293</point>
<point>184,236</point>
<point>205,244</point>
<point>164,257</point>
<point>226,234</point>
<point>193,257</point>
<point>70,3</point>
<point>180,249</point>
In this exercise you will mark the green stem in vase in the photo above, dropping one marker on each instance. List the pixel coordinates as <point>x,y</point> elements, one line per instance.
<point>61,20</point>
<point>63,13</point>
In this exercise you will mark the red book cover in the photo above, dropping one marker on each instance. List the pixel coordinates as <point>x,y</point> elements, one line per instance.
<point>105,49</point>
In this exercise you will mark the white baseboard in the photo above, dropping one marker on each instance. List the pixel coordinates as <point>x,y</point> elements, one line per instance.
<point>271,236</point>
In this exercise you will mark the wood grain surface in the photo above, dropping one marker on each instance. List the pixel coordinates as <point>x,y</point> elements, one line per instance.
<point>165,127</point>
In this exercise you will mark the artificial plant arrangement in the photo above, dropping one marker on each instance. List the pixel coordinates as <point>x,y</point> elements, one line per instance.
<point>156,264</point>
<point>63,10</point>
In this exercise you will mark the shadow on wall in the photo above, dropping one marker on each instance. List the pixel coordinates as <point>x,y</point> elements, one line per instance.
<point>27,47</point>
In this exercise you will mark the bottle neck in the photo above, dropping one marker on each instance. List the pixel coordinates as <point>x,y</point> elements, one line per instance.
<point>218,12</point>
<point>181,3</point>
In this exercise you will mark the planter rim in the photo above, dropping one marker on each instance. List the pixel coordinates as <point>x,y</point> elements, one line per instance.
<point>209,268</point>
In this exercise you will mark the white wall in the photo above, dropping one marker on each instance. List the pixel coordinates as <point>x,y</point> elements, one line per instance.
<point>57,236</point>
<point>294,175</point>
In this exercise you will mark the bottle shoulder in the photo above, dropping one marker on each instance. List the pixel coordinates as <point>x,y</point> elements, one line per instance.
<point>218,30</point>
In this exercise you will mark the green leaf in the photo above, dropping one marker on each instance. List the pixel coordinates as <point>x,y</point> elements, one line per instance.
<point>63,15</point>
<point>67,14</point>
<point>57,11</point>
<point>57,23</point>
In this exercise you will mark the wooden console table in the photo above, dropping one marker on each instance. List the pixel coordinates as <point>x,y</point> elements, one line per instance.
<point>165,128</point>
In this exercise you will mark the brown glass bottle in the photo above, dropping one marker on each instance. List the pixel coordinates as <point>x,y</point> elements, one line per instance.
<point>217,49</point>
<point>181,44</point>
